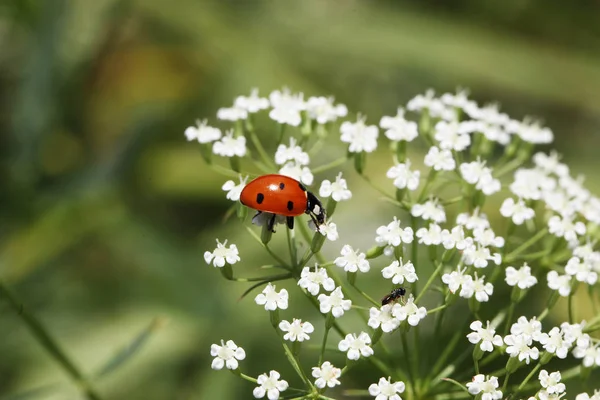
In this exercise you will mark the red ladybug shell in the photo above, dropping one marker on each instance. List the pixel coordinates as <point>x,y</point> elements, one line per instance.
<point>277,194</point>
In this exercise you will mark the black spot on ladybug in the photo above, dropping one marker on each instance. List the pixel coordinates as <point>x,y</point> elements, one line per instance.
<point>290,205</point>
<point>281,185</point>
<point>302,187</point>
<point>259,198</point>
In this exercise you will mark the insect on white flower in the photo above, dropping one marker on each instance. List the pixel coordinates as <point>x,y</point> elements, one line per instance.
<point>269,385</point>
<point>327,375</point>
<point>382,317</point>
<point>385,389</point>
<point>410,312</point>
<point>222,255</point>
<point>226,355</point>
<point>356,346</point>
<point>271,299</point>
<point>296,331</point>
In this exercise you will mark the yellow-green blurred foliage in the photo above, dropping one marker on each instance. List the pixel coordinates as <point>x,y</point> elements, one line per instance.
<point>106,210</point>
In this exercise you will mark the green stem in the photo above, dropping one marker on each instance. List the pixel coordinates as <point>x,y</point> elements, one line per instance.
<point>332,164</point>
<point>261,150</point>
<point>527,378</point>
<point>275,256</point>
<point>49,344</point>
<point>513,254</point>
<point>430,281</point>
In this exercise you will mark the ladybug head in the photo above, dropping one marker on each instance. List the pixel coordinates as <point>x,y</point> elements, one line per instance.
<point>314,208</point>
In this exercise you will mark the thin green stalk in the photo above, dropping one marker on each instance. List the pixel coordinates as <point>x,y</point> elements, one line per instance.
<point>328,166</point>
<point>532,240</point>
<point>430,281</point>
<point>275,256</point>
<point>261,150</point>
<point>49,344</point>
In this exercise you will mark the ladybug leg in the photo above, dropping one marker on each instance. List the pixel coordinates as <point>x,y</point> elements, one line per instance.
<point>315,221</point>
<point>271,223</point>
<point>290,222</point>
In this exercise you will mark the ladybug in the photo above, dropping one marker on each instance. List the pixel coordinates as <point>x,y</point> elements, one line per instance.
<point>282,195</point>
<point>393,296</point>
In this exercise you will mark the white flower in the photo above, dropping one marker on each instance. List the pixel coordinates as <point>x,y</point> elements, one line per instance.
<point>286,107</point>
<point>582,271</point>
<point>297,331</point>
<point>323,110</point>
<point>429,211</point>
<point>561,283</point>
<point>398,272</point>
<point>409,311</point>
<point>550,163</point>
<point>440,160</point>
<point>298,172</point>
<point>450,136</point>
<point>458,100</point>
<point>263,218</point>
<point>252,103</point>
<point>563,226</point>
<point>456,279</point>
<point>436,107</point>
<point>487,238</point>
<point>356,346</point>
<point>553,342</point>
<point>455,238</point>
<point>360,136</point>
<point>477,255</point>
<point>590,355</point>
<point>385,389</point>
<point>292,152</point>
<point>392,235</point>
<point>352,261</point>
<point>383,317</point>
<point>473,221</point>
<point>520,277</point>
<point>222,254</point>
<point>269,385</point>
<point>403,177</point>
<point>271,299</point>
<point>229,146</point>
<point>487,387</point>
<point>338,190</point>
<point>476,173</point>
<point>234,113</point>
<point>334,303</point>
<point>227,354</point>
<point>585,396</point>
<point>398,128</point>
<point>573,333</point>
<point>202,132</point>
<point>529,329</point>
<point>433,235</point>
<point>487,336</point>
<point>529,184</point>
<point>312,280</point>
<point>518,211</point>
<point>533,132</point>
<point>233,190</point>
<point>519,346</point>
<point>551,382</point>
<point>329,230</point>
<point>327,375</point>
<point>477,286</point>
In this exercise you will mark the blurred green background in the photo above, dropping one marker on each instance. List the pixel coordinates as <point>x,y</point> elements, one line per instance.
<point>106,210</point>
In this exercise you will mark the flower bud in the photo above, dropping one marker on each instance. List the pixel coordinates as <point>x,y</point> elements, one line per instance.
<point>265,234</point>
<point>512,364</point>
<point>375,252</point>
<point>360,160</point>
